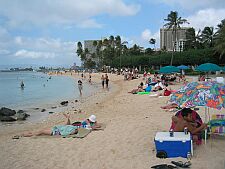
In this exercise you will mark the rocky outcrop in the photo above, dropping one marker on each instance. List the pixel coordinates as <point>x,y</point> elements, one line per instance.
<point>8,115</point>
<point>7,112</point>
<point>7,118</point>
<point>20,115</point>
<point>64,103</point>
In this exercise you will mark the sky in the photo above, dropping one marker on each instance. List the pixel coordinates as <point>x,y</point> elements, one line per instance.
<point>46,32</point>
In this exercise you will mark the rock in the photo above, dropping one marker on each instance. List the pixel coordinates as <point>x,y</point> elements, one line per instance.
<point>20,111</point>
<point>36,108</point>
<point>20,115</point>
<point>76,100</point>
<point>64,103</point>
<point>43,110</point>
<point>7,112</point>
<point>7,118</point>
<point>51,112</point>
<point>54,107</point>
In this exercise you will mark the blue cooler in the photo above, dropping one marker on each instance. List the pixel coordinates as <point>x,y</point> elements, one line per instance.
<point>180,145</point>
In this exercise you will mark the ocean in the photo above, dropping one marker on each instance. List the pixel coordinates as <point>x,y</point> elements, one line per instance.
<point>40,90</point>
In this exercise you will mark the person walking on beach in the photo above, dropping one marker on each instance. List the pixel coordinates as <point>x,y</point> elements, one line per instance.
<point>107,81</point>
<point>103,81</point>
<point>80,86</point>
<point>89,80</point>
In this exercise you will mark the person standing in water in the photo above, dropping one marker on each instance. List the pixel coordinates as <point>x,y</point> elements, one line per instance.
<point>80,87</point>
<point>22,84</point>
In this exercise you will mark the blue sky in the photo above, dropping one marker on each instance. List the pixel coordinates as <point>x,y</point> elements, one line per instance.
<point>45,32</point>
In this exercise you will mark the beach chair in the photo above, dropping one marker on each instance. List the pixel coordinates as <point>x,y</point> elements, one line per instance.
<point>220,80</point>
<point>217,125</point>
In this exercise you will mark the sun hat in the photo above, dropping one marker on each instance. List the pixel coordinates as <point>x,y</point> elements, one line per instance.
<point>92,118</point>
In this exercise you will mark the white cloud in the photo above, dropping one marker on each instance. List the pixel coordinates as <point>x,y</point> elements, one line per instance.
<point>90,23</point>
<point>206,17</point>
<point>70,12</point>
<point>33,54</point>
<point>147,35</point>
<point>195,4</point>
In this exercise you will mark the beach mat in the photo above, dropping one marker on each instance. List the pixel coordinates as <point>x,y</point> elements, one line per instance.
<point>82,132</point>
<point>103,126</point>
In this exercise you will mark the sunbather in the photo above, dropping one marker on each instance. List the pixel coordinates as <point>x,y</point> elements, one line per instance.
<point>166,92</point>
<point>66,129</point>
<point>139,89</point>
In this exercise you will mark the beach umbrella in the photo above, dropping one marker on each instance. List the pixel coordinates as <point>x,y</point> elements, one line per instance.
<point>207,67</point>
<point>207,94</point>
<point>223,68</point>
<point>183,67</point>
<point>168,69</point>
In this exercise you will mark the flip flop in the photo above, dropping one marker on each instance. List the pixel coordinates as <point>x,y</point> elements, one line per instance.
<point>181,164</point>
<point>16,137</point>
<point>164,166</point>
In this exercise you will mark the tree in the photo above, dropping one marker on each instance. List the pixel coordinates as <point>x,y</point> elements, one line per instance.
<point>174,22</point>
<point>80,51</point>
<point>152,41</point>
<point>220,40</point>
<point>208,36</point>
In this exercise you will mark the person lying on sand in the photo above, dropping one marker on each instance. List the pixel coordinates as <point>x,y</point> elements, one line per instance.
<point>66,129</point>
<point>186,121</point>
<point>170,106</point>
<point>166,92</point>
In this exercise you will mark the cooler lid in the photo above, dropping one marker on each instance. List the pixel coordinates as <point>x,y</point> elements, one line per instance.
<point>178,136</point>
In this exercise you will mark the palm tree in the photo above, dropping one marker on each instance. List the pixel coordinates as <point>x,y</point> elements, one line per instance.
<point>208,36</point>
<point>220,40</point>
<point>152,41</point>
<point>80,51</point>
<point>174,22</point>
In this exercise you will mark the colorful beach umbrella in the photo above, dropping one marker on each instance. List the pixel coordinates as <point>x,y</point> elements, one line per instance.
<point>183,67</point>
<point>169,69</point>
<point>207,94</point>
<point>207,67</point>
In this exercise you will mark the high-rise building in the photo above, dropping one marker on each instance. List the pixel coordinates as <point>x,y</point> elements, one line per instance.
<point>167,39</point>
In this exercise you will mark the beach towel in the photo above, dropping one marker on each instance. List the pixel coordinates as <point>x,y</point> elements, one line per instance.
<point>82,132</point>
<point>141,93</point>
<point>103,126</point>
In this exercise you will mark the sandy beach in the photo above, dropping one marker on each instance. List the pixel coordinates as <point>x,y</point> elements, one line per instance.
<point>127,142</point>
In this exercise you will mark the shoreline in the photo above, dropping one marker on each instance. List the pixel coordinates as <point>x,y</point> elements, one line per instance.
<point>50,119</point>
<point>127,141</point>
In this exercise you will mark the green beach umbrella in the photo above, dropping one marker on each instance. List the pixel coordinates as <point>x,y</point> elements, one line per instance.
<point>169,69</point>
<point>183,67</point>
<point>207,67</point>
<point>223,68</point>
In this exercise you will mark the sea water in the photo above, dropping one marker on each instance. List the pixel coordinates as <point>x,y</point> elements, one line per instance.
<point>39,89</point>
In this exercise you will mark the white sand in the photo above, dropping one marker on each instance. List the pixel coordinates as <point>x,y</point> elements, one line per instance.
<point>126,143</point>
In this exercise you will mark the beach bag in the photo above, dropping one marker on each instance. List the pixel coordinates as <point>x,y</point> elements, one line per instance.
<point>167,93</point>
